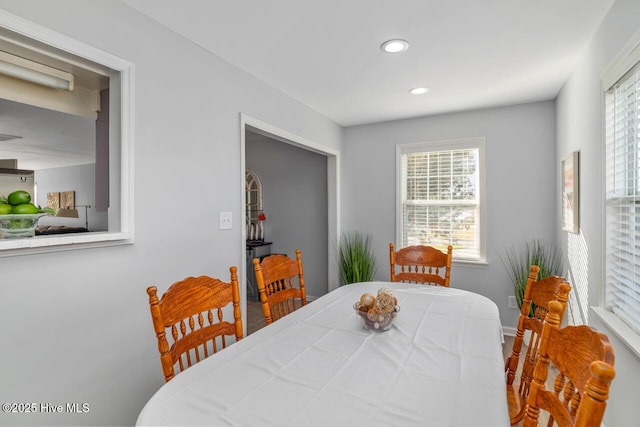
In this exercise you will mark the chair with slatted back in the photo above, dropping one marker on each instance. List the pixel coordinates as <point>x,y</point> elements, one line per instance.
<point>276,278</point>
<point>535,306</point>
<point>190,312</point>
<point>421,264</point>
<point>584,361</point>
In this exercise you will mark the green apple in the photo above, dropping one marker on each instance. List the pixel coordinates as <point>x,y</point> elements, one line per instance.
<point>25,208</point>
<point>19,197</point>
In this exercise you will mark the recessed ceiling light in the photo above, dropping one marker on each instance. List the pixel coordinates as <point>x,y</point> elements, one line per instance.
<point>395,46</point>
<point>419,90</point>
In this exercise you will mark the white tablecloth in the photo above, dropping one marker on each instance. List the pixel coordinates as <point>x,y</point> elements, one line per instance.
<point>439,365</point>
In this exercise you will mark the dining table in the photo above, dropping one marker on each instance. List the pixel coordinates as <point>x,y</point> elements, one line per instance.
<point>440,364</point>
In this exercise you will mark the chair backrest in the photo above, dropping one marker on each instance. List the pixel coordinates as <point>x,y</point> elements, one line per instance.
<point>276,278</point>
<point>584,361</point>
<point>421,264</point>
<point>535,306</point>
<point>191,312</point>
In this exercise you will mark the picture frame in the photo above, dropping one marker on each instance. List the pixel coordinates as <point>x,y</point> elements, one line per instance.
<point>68,199</point>
<point>53,200</point>
<point>61,199</point>
<point>571,193</point>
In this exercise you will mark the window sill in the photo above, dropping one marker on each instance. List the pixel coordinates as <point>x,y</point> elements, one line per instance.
<point>620,329</point>
<point>471,262</point>
<point>53,243</point>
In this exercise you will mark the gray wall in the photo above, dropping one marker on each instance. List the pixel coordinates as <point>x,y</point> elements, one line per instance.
<point>520,199</point>
<point>75,325</point>
<point>294,184</point>
<point>580,123</point>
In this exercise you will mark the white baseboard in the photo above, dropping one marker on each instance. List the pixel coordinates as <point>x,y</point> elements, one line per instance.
<point>509,331</point>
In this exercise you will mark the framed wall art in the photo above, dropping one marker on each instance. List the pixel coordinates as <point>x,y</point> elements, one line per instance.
<point>571,193</point>
<point>53,200</point>
<point>68,199</point>
<point>61,199</point>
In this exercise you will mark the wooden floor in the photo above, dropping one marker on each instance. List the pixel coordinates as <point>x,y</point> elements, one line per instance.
<point>255,318</point>
<point>507,346</point>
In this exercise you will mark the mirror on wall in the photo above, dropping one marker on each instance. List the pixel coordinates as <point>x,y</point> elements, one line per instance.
<point>254,211</point>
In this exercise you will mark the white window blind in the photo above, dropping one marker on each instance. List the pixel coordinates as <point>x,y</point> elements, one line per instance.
<point>623,198</point>
<point>440,198</point>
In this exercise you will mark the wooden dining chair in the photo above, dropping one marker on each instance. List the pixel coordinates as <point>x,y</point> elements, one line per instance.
<point>584,361</point>
<point>191,310</point>
<point>421,264</point>
<point>535,306</point>
<point>276,278</point>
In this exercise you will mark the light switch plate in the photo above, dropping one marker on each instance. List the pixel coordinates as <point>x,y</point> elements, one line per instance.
<point>512,302</point>
<point>226,222</point>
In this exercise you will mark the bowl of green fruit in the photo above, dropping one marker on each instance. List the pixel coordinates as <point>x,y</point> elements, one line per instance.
<point>18,216</point>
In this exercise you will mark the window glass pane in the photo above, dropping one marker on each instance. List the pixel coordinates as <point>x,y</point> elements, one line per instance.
<point>441,204</point>
<point>623,199</point>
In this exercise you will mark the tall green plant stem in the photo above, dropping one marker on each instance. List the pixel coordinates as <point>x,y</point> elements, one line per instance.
<point>357,260</point>
<point>518,262</point>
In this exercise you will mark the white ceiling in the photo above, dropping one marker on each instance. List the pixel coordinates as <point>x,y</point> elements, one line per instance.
<point>326,54</point>
<point>48,139</point>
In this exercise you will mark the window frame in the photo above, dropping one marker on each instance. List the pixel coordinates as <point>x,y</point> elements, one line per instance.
<point>624,61</point>
<point>446,145</point>
<point>121,214</point>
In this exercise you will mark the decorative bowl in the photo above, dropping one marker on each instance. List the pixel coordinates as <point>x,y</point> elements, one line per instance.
<point>19,225</point>
<point>377,322</point>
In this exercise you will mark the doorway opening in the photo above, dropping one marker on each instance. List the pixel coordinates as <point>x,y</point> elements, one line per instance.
<point>299,202</point>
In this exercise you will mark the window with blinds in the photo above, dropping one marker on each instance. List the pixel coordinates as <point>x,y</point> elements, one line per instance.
<point>440,196</point>
<point>623,198</point>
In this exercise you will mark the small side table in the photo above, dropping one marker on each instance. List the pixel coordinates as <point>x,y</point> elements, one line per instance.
<point>255,249</point>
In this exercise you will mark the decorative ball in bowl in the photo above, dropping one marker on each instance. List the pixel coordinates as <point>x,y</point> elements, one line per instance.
<point>19,225</point>
<point>377,312</point>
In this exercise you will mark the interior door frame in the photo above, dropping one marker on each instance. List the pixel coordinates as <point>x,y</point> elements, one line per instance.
<point>333,193</point>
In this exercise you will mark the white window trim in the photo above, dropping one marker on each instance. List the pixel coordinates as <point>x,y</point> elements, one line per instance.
<point>417,147</point>
<point>619,328</point>
<point>125,235</point>
<point>626,59</point>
